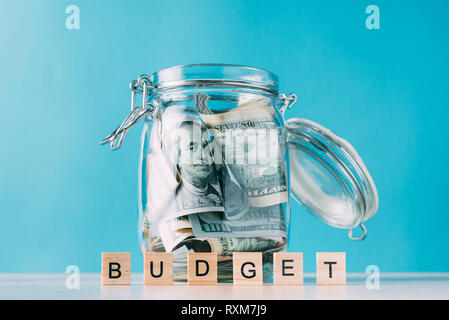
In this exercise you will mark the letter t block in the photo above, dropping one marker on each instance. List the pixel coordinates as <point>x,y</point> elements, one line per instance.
<point>331,268</point>
<point>116,268</point>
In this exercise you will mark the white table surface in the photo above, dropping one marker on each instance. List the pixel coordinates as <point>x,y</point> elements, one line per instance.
<point>392,286</point>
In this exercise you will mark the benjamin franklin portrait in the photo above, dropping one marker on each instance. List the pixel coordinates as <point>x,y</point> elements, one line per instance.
<point>199,187</point>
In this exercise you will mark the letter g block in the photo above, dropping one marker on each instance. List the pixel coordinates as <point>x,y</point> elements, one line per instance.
<point>247,268</point>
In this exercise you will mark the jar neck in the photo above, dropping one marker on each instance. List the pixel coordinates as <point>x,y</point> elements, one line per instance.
<point>231,94</point>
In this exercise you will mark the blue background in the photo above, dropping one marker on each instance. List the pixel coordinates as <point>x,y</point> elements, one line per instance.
<point>64,199</point>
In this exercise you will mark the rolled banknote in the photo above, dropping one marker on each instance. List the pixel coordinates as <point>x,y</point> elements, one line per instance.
<point>258,222</point>
<point>226,246</point>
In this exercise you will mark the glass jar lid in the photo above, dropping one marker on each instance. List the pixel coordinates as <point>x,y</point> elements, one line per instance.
<point>329,177</point>
<point>215,75</point>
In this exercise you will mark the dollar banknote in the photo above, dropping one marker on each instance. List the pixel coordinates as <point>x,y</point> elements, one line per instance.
<point>257,222</point>
<point>250,146</point>
<point>216,182</point>
<point>181,177</point>
<point>226,246</point>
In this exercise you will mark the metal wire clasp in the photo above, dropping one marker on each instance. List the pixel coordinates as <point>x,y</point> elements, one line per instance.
<point>363,236</point>
<point>144,86</point>
<point>288,101</point>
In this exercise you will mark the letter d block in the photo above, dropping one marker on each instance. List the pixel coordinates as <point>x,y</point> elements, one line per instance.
<point>287,268</point>
<point>331,268</point>
<point>247,268</point>
<point>157,268</point>
<point>116,268</point>
<point>202,268</point>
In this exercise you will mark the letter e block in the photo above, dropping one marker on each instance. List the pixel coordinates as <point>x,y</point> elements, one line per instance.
<point>287,268</point>
<point>116,268</point>
<point>247,268</point>
<point>331,268</point>
<point>157,268</point>
<point>202,268</point>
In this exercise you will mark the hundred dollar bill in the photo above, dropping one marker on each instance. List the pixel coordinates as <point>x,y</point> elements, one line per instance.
<point>226,246</point>
<point>257,222</point>
<point>182,179</point>
<point>199,190</point>
<point>236,202</point>
<point>250,147</point>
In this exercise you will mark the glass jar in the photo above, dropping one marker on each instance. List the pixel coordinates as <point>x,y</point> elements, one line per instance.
<point>219,165</point>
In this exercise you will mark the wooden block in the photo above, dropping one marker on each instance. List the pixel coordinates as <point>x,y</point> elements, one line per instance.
<point>247,268</point>
<point>331,268</point>
<point>287,268</point>
<point>116,268</point>
<point>202,268</point>
<point>157,268</point>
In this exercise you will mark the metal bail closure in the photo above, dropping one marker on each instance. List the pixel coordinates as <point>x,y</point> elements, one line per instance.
<point>287,102</point>
<point>363,236</point>
<point>328,177</point>
<point>143,86</point>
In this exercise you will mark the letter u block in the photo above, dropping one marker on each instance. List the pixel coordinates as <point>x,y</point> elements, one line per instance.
<point>247,268</point>
<point>202,268</point>
<point>116,268</point>
<point>157,268</point>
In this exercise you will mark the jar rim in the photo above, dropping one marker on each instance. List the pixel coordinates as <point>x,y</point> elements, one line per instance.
<point>215,74</point>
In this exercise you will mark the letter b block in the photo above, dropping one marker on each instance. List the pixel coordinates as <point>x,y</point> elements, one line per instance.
<point>287,268</point>
<point>247,268</point>
<point>202,268</point>
<point>116,268</point>
<point>331,268</point>
<point>157,268</point>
